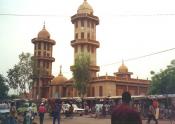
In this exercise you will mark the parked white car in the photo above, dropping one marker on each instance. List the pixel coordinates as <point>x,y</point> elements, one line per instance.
<point>65,107</point>
<point>77,109</point>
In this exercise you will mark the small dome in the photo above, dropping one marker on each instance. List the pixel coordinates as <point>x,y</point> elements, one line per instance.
<point>85,8</point>
<point>44,34</point>
<point>123,68</point>
<point>58,80</point>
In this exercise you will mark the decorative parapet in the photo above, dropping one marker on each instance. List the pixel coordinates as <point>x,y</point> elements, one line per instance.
<point>117,79</point>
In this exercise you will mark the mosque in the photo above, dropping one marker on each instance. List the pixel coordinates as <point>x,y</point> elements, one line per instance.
<point>47,86</point>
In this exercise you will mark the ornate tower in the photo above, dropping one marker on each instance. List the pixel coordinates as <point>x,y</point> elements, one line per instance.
<point>42,64</point>
<point>85,34</point>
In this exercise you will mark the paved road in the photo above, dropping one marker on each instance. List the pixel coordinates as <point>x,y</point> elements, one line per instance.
<point>88,120</point>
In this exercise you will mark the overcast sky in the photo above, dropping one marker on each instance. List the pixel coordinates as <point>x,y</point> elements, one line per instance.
<point>128,29</point>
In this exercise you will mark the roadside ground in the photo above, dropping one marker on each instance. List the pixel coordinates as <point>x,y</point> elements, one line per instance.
<point>86,119</point>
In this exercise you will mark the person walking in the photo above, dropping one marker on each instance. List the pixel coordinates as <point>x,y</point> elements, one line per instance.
<point>86,109</point>
<point>151,113</point>
<point>124,114</point>
<point>97,110</point>
<point>13,114</point>
<point>56,112</point>
<point>28,115</point>
<point>42,111</point>
<point>104,110</point>
<point>20,119</point>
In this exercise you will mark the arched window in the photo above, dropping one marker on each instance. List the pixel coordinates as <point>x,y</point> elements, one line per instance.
<point>88,36</point>
<point>39,46</point>
<point>82,35</point>
<point>76,36</point>
<point>44,64</point>
<point>88,24</point>
<point>92,25</point>
<point>44,46</point>
<point>93,91</point>
<point>82,23</point>
<point>48,46</point>
<point>48,54</point>
<point>47,64</point>
<point>39,53</point>
<point>100,91</point>
<point>44,53</point>
<point>76,24</point>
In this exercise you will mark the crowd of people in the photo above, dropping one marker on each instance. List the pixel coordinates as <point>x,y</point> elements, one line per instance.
<point>122,112</point>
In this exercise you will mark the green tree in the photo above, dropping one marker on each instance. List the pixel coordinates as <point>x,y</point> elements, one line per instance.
<point>164,81</point>
<point>20,76</point>
<point>81,73</point>
<point>3,87</point>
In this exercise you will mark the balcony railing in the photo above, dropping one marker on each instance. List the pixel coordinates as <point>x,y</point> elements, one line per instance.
<point>44,58</point>
<point>34,40</point>
<point>84,41</point>
<point>85,15</point>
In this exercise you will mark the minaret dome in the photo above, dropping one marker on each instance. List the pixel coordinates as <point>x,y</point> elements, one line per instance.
<point>44,34</point>
<point>123,68</point>
<point>59,79</point>
<point>85,8</point>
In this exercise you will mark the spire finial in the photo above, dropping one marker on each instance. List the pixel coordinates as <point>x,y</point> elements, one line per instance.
<point>122,62</point>
<point>60,70</point>
<point>44,25</point>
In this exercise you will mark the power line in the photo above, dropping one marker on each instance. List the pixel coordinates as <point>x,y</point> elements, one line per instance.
<point>39,15</point>
<point>130,59</point>
<point>156,14</point>
<point>52,15</point>
<point>135,58</point>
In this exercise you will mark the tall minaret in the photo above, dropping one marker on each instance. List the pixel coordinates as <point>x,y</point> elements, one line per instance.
<point>42,64</point>
<point>85,34</point>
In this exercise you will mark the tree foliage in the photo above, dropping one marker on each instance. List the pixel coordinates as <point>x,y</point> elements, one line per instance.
<point>20,76</point>
<point>3,87</point>
<point>81,73</point>
<point>164,81</point>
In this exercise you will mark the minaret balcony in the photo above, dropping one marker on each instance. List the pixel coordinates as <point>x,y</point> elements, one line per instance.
<point>44,76</point>
<point>94,68</point>
<point>35,40</point>
<point>84,15</point>
<point>81,41</point>
<point>45,58</point>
